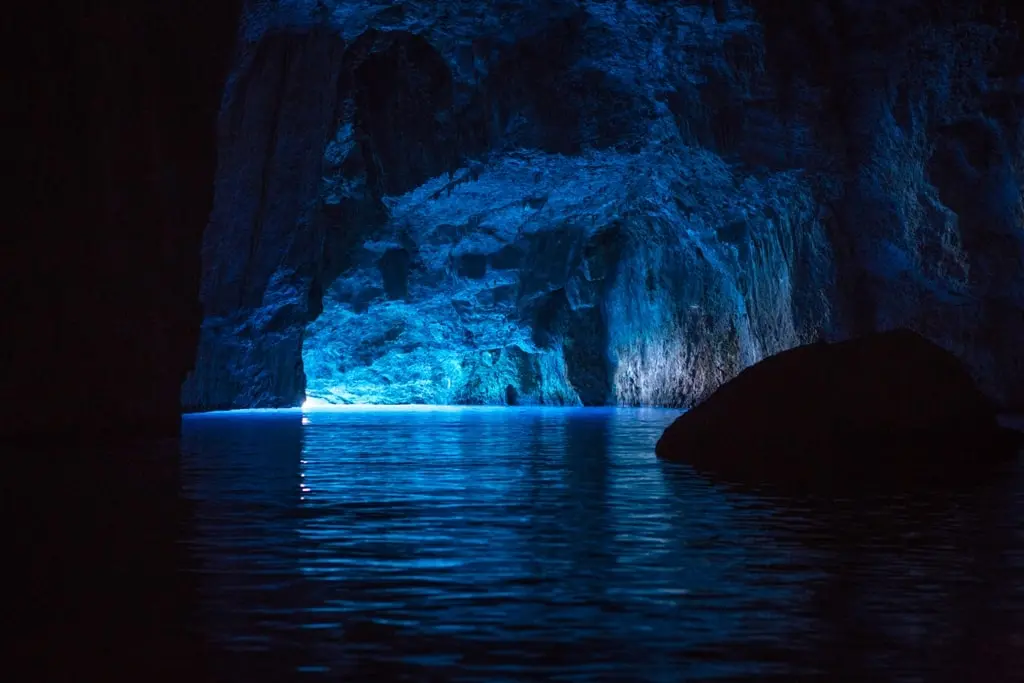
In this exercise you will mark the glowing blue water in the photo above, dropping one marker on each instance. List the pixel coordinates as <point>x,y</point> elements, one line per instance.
<point>528,544</point>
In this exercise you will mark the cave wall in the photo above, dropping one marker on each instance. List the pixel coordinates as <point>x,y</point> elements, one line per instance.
<point>606,202</point>
<point>110,110</point>
<point>264,244</point>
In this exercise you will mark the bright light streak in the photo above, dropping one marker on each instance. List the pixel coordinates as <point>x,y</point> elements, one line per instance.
<point>315,403</point>
<point>320,406</point>
<point>312,406</point>
<point>241,412</point>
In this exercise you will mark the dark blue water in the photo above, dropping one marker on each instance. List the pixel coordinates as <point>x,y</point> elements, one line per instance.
<point>519,544</point>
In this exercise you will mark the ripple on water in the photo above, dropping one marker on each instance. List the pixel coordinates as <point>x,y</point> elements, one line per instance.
<point>521,543</point>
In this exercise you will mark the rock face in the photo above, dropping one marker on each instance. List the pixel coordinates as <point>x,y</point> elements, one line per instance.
<point>873,403</point>
<point>597,201</point>
<point>112,157</point>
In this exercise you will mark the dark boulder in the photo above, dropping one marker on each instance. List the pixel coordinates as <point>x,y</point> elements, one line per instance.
<point>882,404</point>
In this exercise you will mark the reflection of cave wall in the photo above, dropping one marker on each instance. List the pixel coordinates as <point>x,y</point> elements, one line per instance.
<point>596,203</point>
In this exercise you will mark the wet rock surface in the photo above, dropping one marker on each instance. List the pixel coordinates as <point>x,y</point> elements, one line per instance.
<point>605,202</point>
<point>877,405</point>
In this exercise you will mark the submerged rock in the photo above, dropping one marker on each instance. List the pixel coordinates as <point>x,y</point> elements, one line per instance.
<point>863,406</point>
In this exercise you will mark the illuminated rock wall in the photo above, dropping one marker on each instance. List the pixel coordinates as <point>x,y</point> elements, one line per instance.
<point>606,202</point>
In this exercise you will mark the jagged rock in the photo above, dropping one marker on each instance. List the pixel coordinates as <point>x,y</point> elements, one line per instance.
<point>865,406</point>
<point>605,202</point>
<point>264,249</point>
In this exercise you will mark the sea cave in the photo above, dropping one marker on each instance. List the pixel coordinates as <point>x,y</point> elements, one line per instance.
<point>605,203</point>
<point>477,340</point>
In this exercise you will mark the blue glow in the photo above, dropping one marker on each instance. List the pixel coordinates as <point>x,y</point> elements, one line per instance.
<point>376,536</point>
<point>430,408</point>
<point>658,201</point>
<point>315,406</point>
<point>243,412</point>
<point>312,403</point>
<point>507,299</point>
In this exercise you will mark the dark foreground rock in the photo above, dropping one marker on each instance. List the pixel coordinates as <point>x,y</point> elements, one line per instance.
<point>886,403</point>
<point>114,109</point>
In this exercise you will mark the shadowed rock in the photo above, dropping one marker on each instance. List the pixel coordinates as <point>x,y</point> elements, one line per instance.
<point>884,404</point>
<point>114,107</point>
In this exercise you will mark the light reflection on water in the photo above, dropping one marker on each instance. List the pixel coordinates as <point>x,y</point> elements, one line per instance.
<point>525,544</point>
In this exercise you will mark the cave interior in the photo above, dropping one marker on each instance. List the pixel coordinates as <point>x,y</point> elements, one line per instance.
<point>606,203</point>
<point>579,203</point>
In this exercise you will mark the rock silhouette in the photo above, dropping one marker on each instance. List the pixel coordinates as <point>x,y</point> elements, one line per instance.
<point>885,403</point>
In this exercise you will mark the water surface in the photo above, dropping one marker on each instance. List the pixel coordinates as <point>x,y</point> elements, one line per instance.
<point>550,544</point>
